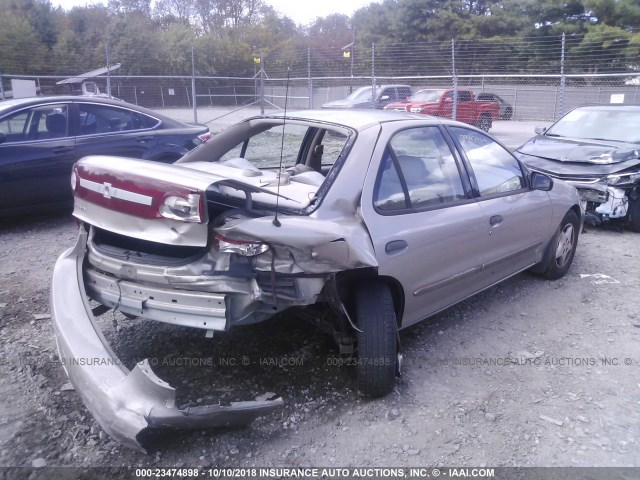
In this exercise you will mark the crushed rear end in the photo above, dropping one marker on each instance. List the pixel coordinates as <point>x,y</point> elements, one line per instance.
<point>195,246</point>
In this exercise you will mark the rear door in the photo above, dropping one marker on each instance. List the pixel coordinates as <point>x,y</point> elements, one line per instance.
<point>36,156</point>
<point>111,130</point>
<point>516,218</point>
<point>427,231</point>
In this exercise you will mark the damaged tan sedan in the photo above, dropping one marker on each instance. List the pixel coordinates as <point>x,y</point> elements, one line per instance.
<point>368,221</point>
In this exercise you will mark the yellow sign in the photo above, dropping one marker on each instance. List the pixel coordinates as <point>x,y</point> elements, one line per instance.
<point>346,54</point>
<point>256,59</point>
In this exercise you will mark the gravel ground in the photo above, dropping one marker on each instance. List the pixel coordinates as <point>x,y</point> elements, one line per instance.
<point>528,373</point>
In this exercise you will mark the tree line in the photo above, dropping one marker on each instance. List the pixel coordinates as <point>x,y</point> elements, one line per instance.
<point>227,36</point>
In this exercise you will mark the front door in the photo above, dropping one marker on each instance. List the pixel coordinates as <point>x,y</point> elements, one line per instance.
<point>36,157</point>
<point>517,218</point>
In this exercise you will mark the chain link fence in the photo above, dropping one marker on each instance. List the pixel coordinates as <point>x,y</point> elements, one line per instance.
<point>539,78</point>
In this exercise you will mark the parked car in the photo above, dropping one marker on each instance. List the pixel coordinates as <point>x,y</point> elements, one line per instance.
<point>596,148</point>
<point>367,221</point>
<point>41,138</point>
<point>506,110</point>
<point>440,102</point>
<point>362,97</point>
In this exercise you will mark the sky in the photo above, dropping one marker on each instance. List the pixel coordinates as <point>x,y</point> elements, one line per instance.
<point>301,12</point>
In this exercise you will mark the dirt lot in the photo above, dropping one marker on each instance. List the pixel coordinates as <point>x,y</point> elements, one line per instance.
<point>529,373</point>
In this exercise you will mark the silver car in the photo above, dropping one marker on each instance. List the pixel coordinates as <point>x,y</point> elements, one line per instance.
<point>376,219</point>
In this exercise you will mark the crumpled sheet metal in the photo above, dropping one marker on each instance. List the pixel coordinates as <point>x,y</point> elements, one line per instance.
<point>124,402</point>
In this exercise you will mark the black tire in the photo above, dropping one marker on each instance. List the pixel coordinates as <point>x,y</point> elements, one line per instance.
<point>377,348</point>
<point>508,113</point>
<point>484,122</point>
<point>634,215</point>
<point>563,247</point>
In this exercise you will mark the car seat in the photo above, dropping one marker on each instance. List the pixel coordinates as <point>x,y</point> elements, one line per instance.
<point>56,125</point>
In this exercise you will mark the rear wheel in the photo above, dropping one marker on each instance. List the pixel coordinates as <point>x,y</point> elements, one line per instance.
<point>377,353</point>
<point>563,247</point>
<point>508,113</point>
<point>484,122</point>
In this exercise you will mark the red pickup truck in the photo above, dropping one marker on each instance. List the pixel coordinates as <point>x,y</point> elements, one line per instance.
<point>439,103</point>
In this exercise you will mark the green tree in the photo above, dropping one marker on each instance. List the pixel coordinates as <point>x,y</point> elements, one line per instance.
<point>23,51</point>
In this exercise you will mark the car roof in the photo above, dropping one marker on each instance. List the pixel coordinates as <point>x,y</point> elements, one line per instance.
<point>17,103</point>
<point>357,119</point>
<point>384,86</point>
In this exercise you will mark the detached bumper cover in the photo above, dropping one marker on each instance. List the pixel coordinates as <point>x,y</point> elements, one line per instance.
<point>124,402</point>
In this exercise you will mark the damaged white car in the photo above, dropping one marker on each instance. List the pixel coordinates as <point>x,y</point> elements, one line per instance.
<point>371,220</point>
<point>597,149</point>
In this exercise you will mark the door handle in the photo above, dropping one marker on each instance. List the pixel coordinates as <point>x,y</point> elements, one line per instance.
<point>495,220</point>
<point>145,139</point>
<point>395,246</point>
<point>61,149</point>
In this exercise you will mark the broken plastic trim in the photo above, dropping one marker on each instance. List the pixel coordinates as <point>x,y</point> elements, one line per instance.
<point>125,403</point>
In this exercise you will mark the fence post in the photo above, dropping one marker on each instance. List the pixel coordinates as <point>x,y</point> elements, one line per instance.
<point>1,86</point>
<point>454,114</point>
<point>310,80</point>
<point>262,72</point>
<point>193,86</point>
<point>162,96</point>
<point>562,78</point>
<point>373,74</point>
<point>106,52</point>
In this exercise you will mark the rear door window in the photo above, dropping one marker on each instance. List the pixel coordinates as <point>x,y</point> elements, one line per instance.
<point>418,172</point>
<point>99,119</point>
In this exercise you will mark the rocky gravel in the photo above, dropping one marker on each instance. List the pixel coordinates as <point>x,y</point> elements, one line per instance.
<point>528,373</point>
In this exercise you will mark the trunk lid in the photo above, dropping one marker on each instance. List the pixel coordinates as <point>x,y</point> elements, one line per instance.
<point>172,204</point>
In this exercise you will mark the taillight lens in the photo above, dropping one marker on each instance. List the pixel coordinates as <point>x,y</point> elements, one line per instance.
<point>185,209</point>
<point>205,136</point>
<point>241,247</point>
<point>74,179</point>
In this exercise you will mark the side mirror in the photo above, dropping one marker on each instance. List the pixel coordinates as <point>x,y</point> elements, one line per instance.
<point>540,130</point>
<point>540,181</point>
<point>384,97</point>
<point>3,137</point>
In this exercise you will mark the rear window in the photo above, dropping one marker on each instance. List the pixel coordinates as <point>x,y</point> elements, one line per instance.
<point>316,148</point>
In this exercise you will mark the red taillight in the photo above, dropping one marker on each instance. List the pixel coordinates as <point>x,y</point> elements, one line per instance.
<point>74,179</point>
<point>185,209</point>
<point>205,136</point>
